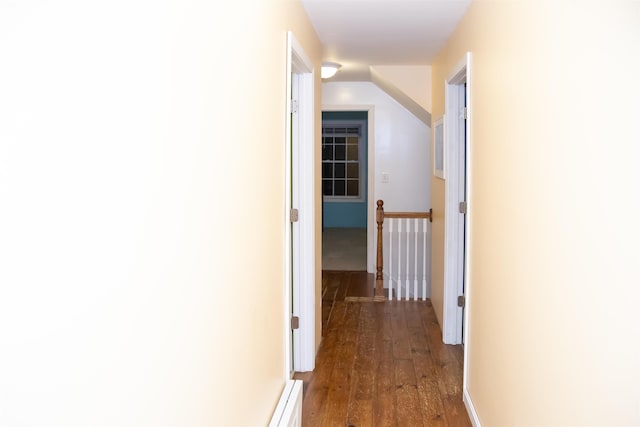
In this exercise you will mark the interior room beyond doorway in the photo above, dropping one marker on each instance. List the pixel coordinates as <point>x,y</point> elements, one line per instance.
<point>344,190</point>
<point>344,249</point>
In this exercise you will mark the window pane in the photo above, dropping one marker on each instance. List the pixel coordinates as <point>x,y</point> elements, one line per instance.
<point>352,187</point>
<point>341,161</point>
<point>327,152</point>
<point>352,152</point>
<point>327,170</point>
<point>327,187</point>
<point>353,170</point>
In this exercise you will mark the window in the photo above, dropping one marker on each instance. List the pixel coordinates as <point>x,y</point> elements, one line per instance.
<point>341,161</point>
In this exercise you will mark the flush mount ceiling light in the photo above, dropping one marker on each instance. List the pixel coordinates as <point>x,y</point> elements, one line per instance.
<point>329,69</point>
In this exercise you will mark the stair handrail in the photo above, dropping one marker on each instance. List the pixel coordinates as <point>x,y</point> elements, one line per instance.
<point>380,216</point>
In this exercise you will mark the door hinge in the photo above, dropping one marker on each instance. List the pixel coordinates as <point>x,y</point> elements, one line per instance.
<point>461,301</point>
<point>293,215</point>
<point>294,106</point>
<point>295,322</point>
<point>462,208</point>
<point>464,113</point>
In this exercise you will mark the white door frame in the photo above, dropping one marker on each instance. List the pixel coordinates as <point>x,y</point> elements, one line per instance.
<point>299,268</point>
<point>456,240</point>
<point>371,156</point>
<point>458,187</point>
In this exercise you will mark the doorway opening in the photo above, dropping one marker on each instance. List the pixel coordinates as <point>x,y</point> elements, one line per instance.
<point>363,116</point>
<point>458,194</point>
<point>344,190</point>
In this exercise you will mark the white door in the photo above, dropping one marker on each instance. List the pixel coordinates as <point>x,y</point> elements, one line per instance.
<point>294,217</point>
<point>457,143</point>
<point>300,213</point>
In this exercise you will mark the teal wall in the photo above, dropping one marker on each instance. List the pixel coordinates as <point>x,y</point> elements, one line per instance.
<point>345,115</point>
<point>347,214</point>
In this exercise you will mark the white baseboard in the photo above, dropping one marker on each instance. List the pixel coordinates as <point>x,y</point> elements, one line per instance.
<point>471,410</point>
<point>288,413</point>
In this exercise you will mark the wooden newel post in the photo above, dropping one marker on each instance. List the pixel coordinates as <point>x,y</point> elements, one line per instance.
<point>379,292</point>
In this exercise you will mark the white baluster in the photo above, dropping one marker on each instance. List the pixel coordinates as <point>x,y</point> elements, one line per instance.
<point>406,280</point>
<point>424,259</point>
<point>390,264</point>
<point>415,259</point>
<point>399,259</point>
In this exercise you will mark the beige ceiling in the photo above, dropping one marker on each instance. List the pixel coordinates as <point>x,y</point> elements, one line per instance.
<point>360,33</point>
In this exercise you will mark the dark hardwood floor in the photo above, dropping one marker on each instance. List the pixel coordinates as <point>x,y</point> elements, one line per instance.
<point>380,364</point>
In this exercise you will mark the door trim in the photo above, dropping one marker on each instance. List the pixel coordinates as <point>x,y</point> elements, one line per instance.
<point>300,268</point>
<point>371,203</point>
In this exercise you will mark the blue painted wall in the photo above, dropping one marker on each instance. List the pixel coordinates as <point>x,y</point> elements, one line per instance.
<point>347,214</point>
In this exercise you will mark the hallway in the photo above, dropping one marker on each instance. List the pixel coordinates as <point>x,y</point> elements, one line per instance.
<point>381,364</point>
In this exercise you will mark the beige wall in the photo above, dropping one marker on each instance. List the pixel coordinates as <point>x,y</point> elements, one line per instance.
<point>142,211</point>
<point>554,243</point>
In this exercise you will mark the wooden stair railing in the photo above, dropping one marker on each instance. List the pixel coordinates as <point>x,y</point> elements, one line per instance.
<point>380,216</point>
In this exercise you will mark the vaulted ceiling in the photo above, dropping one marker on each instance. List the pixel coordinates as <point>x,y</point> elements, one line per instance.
<point>361,33</point>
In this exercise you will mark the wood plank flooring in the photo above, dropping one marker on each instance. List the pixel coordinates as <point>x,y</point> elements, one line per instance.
<point>380,364</point>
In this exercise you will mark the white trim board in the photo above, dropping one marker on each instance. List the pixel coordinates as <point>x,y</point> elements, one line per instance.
<point>299,268</point>
<point>471,409</point>
<point>371,203</point>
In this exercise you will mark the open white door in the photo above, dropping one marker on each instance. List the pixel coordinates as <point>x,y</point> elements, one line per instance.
<point>457,144</point>
<point>300,212</point>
